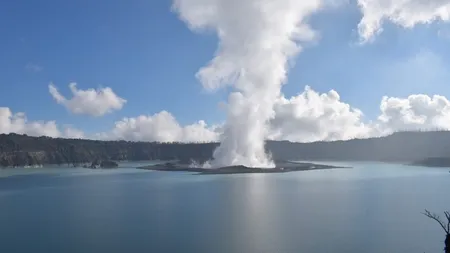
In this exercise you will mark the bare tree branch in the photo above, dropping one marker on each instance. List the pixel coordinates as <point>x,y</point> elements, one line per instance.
<point>438,219</point>
<point>447,215</point>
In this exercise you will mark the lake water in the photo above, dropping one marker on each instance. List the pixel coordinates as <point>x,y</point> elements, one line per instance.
<point>373,207</point>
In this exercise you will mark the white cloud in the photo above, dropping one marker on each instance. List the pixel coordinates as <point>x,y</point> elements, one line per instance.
<point>18,123</point>
<point>414,113</point>
<point>311,116</point>
<point>93,102</point>
<point>405,13</point>
<point>73,133</point>
<point>162,127</point>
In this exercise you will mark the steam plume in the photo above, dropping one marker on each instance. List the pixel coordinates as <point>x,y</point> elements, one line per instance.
<point>257,38</point>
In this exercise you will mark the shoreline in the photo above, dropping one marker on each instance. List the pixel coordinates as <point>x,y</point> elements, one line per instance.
<point>283,167</point>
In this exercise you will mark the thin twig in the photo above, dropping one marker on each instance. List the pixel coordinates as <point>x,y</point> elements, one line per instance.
<point>447,215</point>
<point>438,219</point>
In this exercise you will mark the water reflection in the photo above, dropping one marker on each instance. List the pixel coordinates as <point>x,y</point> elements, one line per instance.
<point>371,208</point>
<point>261,213</point>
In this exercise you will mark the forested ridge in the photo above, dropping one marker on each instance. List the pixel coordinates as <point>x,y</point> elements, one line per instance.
<point>22,150</point>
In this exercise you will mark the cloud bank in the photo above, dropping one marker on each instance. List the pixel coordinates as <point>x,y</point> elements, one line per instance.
<point>310,116</point>
<point>161,127</point>
<point>93,102</point>
<point>307,117</point>
<point>18,123</point>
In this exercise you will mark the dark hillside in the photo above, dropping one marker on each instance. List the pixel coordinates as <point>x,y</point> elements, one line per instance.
<point>401,147</point>
<point>20,150</point>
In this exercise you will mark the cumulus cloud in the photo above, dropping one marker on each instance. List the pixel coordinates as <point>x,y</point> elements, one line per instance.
<point>312,116</point>
<point>405,13</point>
<point>161,127</point>
<point>307,117</point>
<point>414,113</point>
<point>18,123</point>
<point>93,102</point>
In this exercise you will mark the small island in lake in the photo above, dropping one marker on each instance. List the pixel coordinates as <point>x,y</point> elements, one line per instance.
<point>281,167</point>
<point>443,162</point>
<point>106,164</point>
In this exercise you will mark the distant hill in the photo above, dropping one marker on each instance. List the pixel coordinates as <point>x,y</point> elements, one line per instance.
<point>20,150</point>
<point>434,162</point>
<point>398,147</point>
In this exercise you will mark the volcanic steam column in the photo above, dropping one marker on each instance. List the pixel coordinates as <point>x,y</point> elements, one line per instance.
<point>257,38</point>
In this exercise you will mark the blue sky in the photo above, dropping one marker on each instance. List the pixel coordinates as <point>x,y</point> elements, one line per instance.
<point>140,50</point>
<point>149,57</point>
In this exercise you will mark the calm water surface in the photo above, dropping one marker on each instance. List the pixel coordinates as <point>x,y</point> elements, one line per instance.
<point>371,208</point>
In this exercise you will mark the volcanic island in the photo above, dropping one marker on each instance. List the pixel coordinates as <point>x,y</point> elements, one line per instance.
<point>280,167</point>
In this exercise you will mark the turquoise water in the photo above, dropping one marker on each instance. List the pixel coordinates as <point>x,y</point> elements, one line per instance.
<point>373,207</point>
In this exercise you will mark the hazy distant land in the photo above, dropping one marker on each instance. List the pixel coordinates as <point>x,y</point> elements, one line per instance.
<point>402,147</point>
<point>442,162</point>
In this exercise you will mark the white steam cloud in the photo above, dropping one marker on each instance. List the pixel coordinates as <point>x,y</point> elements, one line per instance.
<point>257,39</point>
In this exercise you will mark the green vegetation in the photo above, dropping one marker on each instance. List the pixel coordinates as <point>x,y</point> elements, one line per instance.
<point>405,147</point>
<point>22,150</point>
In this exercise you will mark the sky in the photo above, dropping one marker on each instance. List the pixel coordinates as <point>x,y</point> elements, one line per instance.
<point>127,70</point>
